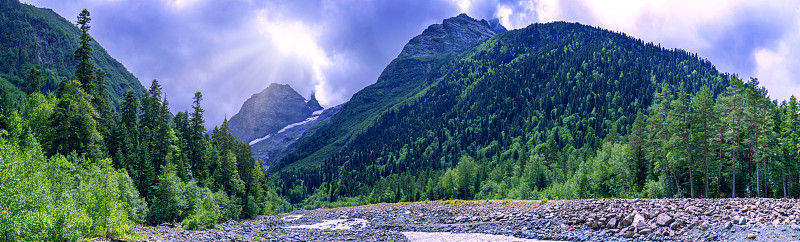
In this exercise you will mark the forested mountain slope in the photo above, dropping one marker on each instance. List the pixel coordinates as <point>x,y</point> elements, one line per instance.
<point>552,91</point>
<point>39,38</point>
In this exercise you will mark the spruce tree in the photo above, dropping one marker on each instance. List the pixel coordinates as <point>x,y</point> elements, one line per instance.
<point>84,67</point>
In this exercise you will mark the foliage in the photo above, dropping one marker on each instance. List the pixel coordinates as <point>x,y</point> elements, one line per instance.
<point>58,198</point>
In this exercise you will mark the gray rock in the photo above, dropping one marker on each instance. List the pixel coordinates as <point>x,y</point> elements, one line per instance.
<point>452,34</point>
<point>612,223</point>
<point>676,224</point>
<point>639,221</point>
<point>627,221</point>
<point>664,220</point>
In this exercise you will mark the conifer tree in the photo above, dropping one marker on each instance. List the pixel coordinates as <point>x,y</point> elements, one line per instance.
<point>731,117</point>
<point>84,67</point>
<point>679,118</point>
<point>34,80</point>
<point>704,118</point>
<point>74,124</point>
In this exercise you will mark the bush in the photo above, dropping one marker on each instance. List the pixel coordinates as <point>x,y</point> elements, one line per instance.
<point>653,189</point>
<point>205,214</point>
<point>53,199</point>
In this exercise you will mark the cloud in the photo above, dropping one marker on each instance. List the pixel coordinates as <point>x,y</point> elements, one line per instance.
<point>230,50</point>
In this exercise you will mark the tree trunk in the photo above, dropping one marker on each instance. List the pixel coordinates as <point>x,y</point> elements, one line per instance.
<point>688,154</point>
<point>758,176</point>
<point>784,185</point>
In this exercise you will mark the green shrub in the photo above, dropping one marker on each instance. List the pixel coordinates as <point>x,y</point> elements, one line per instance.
<point>205,214</point>
<point>53,199</point>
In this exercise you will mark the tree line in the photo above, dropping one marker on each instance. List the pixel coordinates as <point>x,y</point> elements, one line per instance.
<point>74,167</point>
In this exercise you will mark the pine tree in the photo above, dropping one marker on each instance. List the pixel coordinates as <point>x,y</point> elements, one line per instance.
<point>679,119</point>
<point>704,118</point>
<point>637,143</point>
<point>74,124</point>
<point>84,68</point>
<point>731,116</point>
<point>34,80</point>
<point>196,141</point>
<point>660,133</point>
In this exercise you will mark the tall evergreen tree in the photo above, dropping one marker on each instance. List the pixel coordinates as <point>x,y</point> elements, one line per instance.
<point>679,118</point>
<point>84,67</point>
<point>196,140</point>
<point>74,124</point>
<point>731,116</point>
<point>34,80</point>
<point>704,117</point>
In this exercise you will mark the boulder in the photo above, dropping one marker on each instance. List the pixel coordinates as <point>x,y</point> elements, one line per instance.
<point>612,223</point>
<point>664,220</point>
<point>676,225</point>
<point>627,221</point>
<point>638,221</point>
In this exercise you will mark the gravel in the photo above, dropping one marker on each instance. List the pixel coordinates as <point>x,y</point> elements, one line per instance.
<point>568,220</point>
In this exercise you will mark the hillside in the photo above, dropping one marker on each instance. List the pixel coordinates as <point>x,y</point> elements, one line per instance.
<point>33,37</point>
<point>552,89</point>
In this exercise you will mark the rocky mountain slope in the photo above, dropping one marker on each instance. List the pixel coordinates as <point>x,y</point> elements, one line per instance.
<point>33,37</point>
<point>452,34</point>
<point>273,119</point>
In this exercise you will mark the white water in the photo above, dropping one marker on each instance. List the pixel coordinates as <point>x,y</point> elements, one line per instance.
<point>467,237</point>
<point>333,224</point>
<point>292,217</point>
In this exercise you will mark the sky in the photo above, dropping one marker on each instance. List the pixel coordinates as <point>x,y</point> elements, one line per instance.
<point>231,49</point>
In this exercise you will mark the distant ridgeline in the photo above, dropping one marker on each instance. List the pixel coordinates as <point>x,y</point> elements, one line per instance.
<point>549,111</point>
<point>39,38</point>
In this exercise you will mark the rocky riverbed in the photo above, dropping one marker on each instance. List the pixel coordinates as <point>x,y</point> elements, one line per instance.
<point>506,220</point>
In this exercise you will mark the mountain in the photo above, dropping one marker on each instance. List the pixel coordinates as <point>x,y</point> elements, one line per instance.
<point>454,33</point>
<point>33,37</point>
<point>273,119</point>
<point>553,90</point>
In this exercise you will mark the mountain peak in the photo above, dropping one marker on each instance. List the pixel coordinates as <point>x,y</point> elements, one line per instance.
<point>453,33</point>
<point>313,103</point>
<point>270,110</point>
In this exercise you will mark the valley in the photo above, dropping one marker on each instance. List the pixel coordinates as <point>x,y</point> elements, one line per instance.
<point>556,131</point>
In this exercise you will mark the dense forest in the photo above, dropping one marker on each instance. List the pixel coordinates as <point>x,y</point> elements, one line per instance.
<point>38,38</point>
<point>552,111</point>
<point>73,167</point>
